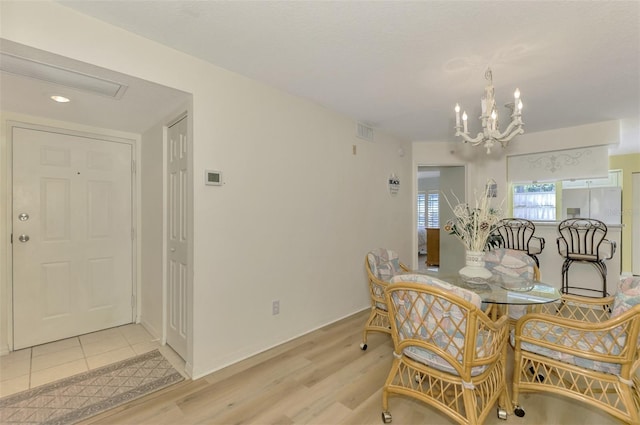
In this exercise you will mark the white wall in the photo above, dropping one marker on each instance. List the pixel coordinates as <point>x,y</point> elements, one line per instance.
<point>298,211</point>
<point>426,184</point>
<point>151,236</point>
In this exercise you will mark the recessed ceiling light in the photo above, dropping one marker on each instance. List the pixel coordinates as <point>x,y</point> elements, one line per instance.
<point>60,99</point>
<point>53,74</point>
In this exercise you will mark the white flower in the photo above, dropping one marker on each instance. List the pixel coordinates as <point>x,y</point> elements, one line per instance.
<point>474,225</point>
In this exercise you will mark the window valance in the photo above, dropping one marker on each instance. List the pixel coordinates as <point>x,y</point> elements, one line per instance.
<point>590,162</point>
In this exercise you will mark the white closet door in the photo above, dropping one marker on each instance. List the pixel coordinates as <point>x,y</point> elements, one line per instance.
<point>177,241</point>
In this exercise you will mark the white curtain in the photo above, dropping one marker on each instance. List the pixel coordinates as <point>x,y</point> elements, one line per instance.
<point>535,205</point>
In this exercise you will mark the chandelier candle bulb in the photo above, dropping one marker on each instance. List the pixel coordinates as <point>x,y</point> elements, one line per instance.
<point>457,109</point>
<point>517,102</point>
<point>464,120</point>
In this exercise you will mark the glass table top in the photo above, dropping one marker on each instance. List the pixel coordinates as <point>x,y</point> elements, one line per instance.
<point>502,289</point>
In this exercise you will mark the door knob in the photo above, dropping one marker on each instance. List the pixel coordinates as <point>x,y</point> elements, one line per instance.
<point>23,238</point>
<point>172,249</point>
<point>23,217</point>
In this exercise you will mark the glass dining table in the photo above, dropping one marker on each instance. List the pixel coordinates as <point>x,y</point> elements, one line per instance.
<point>502,289</point>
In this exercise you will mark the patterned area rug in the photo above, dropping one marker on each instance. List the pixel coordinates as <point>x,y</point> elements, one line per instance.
<point>81,396</point>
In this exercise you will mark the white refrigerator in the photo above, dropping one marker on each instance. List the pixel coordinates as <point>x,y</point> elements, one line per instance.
<point>603,203</point>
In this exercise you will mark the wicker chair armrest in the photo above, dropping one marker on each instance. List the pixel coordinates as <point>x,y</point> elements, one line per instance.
<point>404,267</point>
<point>570,336</point>
<point>580,308</point>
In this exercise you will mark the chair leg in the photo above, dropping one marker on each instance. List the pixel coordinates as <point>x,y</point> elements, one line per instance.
<point>367,326</point>
<point>386,415</point>
<point>602,268</point>
<point>565,276</point>
<point>515,388</point>
<point>378,321</point>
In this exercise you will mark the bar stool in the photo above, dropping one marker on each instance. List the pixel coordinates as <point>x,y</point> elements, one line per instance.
<point>517,234</point>
<point>583,240</point>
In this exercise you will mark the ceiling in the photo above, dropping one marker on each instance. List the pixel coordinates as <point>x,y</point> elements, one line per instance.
<point>139,105</point>
<point>401,66</point>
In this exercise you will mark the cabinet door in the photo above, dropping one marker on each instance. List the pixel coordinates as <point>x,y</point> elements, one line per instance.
<point>433,247</point>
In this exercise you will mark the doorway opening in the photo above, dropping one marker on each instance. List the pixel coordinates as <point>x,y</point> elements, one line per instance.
<point>434,185</point>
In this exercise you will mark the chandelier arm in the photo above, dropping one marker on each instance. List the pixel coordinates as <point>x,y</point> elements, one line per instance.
<point>474,141</point>
<point>506,140</point>
<point>515,124</point>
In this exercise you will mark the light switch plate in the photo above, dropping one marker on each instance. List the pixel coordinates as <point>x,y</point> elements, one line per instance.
<point>213,177</point>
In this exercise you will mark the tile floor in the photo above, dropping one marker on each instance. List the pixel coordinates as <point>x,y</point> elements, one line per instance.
<point>31,367</point>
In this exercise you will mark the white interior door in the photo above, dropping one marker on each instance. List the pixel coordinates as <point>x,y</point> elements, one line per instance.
<point>177,252</point>
<point>72,235</point>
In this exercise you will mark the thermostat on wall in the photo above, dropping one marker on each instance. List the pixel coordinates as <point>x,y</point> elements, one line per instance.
<point>213,177</point>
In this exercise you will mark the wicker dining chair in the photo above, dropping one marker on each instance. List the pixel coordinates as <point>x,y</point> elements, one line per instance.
<point>583,240</point>
<point>381,265</point>
<point>518,234</point>
<point>447,352</point>
<point>584,348</point>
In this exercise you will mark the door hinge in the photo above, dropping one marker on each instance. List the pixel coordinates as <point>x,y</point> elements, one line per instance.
<point>12,238</point>
<point>133,234</point>
<point>133,166</point>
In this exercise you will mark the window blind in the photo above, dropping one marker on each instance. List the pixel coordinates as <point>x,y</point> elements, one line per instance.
<point>421,210</point>
<point>591,162</point>
<point>433,206</point>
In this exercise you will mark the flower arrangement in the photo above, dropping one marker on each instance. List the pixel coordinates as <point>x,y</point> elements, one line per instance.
<point>473,226</point>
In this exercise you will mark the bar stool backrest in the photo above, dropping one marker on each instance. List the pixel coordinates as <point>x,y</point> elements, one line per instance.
<point>515,233</point>
<point>580,238</point>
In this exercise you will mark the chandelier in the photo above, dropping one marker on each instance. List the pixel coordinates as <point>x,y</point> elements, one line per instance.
<point>490,134</point>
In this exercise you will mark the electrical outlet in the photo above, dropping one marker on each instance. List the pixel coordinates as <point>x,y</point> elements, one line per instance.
<point>275,307</point>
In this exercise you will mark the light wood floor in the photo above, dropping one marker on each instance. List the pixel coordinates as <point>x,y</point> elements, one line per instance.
<point>321,378</point>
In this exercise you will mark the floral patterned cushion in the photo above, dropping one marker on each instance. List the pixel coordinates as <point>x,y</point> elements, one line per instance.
<point>444,324</point>
<point>627,296</point>
<point>384,264</point>
<point>509,262</point>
